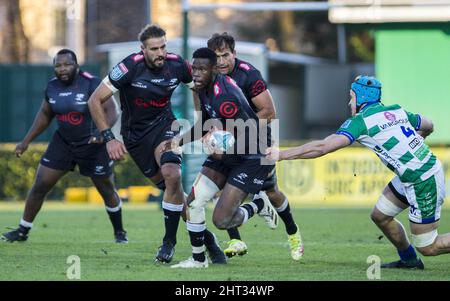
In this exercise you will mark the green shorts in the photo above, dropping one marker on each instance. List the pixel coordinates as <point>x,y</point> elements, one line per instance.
<point>426,199</point>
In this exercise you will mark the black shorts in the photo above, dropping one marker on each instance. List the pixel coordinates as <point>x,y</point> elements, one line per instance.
<point>219,166</point>
<point>92,159</point>
<point>246,174</point>
<point>143,152</point>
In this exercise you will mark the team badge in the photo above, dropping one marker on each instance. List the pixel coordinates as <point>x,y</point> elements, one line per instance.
<point>118,72</point>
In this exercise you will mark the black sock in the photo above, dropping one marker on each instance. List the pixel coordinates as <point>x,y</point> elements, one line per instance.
<point>24,229</point>
<point>197,236</point>
<point>116,220</point>
<point>234,233</point>
<point>197,241</point>
<point>171,220</point>
<point>286,217</point>
<point>209,238</point>
<point>259,203</point>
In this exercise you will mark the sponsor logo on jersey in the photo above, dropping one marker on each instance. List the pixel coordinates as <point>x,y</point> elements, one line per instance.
<point>258,181</point>
<point>118,72</point>
<point>390,116</point>
<point>65,94</point>
<point>244,66</point>
<point>228,109</point>
<point>393,123</point>
<point>414,143</point>
<point>153,103</point>
<point>170,133</point>
<point>51,100</point>
<point>139,85</point>
<point>384,155</point>
<point>74,118</point>
<point>157,80</point>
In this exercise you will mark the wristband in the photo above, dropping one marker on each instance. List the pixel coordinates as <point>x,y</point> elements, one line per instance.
<point>108,135</point>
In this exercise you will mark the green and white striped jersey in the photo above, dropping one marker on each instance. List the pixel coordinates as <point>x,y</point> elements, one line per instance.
<point>390,132</point>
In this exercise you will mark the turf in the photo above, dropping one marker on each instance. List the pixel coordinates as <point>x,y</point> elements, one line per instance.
<point>337,245</point>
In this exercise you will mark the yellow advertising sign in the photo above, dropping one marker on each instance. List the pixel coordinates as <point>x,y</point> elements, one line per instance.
<point>351,176</point>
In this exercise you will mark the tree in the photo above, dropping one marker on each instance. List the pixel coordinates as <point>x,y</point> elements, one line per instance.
<point>14,45</point>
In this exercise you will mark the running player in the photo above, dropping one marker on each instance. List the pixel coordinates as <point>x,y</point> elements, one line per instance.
<point>146,81</point>
<point>397,138</point>
<point>254,87</point>
<point>75,142</point>
<point>222,100</point>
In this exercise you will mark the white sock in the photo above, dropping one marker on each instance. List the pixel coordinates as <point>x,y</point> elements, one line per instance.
<point>25,223</point>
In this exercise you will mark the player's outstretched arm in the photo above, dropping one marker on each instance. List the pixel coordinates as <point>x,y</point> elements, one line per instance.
<point>311,150</point>
<point>426,127</point>
<point>40,123</point>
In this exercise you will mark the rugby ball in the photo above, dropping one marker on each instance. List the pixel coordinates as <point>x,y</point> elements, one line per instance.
<point>220,141</point>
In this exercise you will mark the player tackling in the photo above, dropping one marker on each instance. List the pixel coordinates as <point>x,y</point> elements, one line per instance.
<point>397,138</point>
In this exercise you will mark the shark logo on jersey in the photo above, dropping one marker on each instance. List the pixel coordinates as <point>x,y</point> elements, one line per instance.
<point>173,83</point>
<point>79,99</point>
<point>99,170</point>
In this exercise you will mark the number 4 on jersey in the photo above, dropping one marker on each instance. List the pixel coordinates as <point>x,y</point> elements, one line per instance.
<point>407,131</point>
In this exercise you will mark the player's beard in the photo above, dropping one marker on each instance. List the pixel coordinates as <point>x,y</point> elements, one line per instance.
<point>158,62</point>
<point>70,77</point>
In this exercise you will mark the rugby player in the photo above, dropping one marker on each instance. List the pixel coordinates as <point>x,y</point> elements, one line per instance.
<point>222,100</point>
<point>75,142</point>
<point>146,81</point>
<point>397,137</point>
<point>254,87</point>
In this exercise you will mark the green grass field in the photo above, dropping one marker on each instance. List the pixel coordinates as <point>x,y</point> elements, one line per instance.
<point>337,244</point>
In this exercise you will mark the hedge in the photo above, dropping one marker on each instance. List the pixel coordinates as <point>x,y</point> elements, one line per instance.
<point>17,174</point>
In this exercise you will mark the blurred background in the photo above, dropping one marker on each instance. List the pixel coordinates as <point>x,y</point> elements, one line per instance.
<point>308,51</point>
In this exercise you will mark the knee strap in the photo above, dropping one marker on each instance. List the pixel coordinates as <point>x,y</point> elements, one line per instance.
<point>387,207</point>
<point>424,240</point>
<point>203,190</point>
